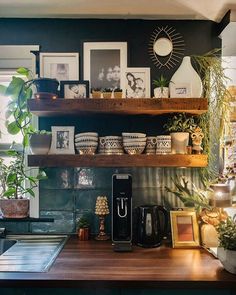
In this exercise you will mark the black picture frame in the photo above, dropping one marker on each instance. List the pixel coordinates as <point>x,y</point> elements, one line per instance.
<point>82,90</point>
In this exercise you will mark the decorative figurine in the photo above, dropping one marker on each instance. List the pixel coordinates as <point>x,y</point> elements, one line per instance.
<point>197,137</point>
<point>101,209</point>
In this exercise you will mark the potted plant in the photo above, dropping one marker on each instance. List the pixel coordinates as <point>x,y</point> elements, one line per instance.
<point>83,229</point>
<point>162,87</point>
<point>180,126</point>
<point>226,250</point>
<point>107,92</point>
<point>118,93</point>
<point>40,142</point>
<point>96,92</point>
<point>15,184</point>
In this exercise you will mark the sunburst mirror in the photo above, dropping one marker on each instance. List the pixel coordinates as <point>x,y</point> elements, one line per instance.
<point>166,47</point>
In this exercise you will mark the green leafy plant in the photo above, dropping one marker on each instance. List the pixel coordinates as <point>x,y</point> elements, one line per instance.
<point>194,197</point>
<point>14,180</point>
<point>227,234</point>
<point>212,123</point>
<point>161,82</point>
<point>117,90</point>
<point>83,222</point>
<point>180,123</point>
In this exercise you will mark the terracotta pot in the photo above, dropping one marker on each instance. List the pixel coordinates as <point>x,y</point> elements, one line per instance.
<point>107,94</point>
<point>96,94</point>
<point>83,234</point>
<point>40,143</point>
<point>118,94</point>
<point>14,208</point>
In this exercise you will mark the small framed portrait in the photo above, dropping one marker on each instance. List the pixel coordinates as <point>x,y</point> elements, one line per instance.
<point>104,64</point>
<point>60,66</point>
<point>184,229</point>
<point>181,90</point>
<point>62,140</point>
<point>137,83</point>
<point>74,89</point>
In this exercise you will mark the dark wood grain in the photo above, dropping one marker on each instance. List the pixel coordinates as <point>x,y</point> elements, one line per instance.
<point>148,106</point>
<point>94,264</point>
<point>170,160</point>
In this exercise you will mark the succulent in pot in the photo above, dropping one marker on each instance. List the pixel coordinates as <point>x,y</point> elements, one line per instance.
<point>161,89</point>
<point>107,92</point>
<point>16,184</point>
<point>180,126</point>
<point>226,250</point>
<point>83,229</point>
<point>96,92</point>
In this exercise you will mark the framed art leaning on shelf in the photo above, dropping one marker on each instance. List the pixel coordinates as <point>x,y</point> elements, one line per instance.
<point>61,66</point>
<point>104,64</point>
<point>74,89</point>
<point>62,140</point>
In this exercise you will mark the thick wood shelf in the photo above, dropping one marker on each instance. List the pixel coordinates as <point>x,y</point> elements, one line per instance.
<point>146,106</point>
<point>125,160</point>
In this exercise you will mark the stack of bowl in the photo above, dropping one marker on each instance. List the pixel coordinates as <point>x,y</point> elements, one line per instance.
<point>86,143</point>
<point>113,145</point>
<point>134,143</point>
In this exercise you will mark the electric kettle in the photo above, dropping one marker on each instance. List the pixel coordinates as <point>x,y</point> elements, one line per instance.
<point>150,225</point>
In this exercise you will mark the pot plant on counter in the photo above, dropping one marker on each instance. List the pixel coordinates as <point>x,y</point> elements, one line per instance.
<point>162,87</point>
<point>16,184</point>
<point>226,251</point>
<point>83,229</point>
<point>180,126</point>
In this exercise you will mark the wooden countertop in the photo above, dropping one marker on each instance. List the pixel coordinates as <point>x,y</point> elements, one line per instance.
<point>94,264</point>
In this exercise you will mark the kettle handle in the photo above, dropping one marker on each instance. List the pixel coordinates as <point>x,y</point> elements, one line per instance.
<point>166,220</point>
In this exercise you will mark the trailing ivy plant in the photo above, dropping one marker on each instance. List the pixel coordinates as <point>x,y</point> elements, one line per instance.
<point>209,67</point>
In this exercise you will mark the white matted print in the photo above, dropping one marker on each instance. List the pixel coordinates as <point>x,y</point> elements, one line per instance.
<point>62,140</point>
<point>182,90</point>
<point>137,83</point>
<point>104,64</point>
<point>61,66</point>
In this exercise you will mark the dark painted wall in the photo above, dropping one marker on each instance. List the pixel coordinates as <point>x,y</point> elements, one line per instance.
<point>68,203</point>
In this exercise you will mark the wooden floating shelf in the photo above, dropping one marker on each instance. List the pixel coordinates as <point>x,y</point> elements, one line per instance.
<point>131,106</point>
<point>170,160</point>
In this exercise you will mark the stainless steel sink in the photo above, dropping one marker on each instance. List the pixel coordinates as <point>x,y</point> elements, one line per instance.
<point>5,244</point>
<point>30,253</point>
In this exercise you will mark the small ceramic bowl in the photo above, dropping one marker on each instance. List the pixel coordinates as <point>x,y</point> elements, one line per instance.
<point>133,135</point>
<point>86,138</point>
<point>86,134</point>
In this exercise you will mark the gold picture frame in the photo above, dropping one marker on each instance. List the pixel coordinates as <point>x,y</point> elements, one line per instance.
<point>184,229</point>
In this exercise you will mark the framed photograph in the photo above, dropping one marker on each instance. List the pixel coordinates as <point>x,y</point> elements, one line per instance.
<point>74,89</point>
<point>61,66</point>
<point>184,229</point>
<point>104,64</point>
<point>137,83</point>
<point>182,90</point>
<point>62,140</point>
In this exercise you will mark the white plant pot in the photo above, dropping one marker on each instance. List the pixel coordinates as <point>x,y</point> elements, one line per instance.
<point>227,258</point>
<point>186,77</point>
<point>40,143</point>
<point>179,142</point>
<point>161,92</point>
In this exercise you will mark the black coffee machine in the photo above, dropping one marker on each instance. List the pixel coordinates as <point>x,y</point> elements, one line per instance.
<point>122,212</point>
<point>150,225</point>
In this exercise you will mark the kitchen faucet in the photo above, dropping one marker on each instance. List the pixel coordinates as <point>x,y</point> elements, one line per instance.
<point>2,232</point>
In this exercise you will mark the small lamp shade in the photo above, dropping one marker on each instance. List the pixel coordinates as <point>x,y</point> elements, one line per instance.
<point>220,196</point>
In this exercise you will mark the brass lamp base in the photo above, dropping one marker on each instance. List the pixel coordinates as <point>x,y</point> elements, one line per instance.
<point>102,236</point>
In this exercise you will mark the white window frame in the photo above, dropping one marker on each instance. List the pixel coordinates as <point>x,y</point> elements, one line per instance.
<point>11,58</point>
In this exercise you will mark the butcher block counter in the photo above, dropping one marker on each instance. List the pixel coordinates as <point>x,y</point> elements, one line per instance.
<point>95,264</point>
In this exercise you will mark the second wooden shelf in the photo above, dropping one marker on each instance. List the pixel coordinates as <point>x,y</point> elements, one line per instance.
<point>170,160</point>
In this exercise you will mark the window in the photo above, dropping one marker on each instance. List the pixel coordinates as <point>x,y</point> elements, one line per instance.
<point>11,58</point>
